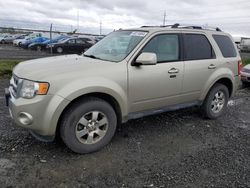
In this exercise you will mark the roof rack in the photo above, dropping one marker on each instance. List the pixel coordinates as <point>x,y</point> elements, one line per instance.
<point>177,25</point>
<point>145,26</point>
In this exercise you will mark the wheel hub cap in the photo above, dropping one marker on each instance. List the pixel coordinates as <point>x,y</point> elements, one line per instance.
<point>92,127</point>
<point>218,102</point>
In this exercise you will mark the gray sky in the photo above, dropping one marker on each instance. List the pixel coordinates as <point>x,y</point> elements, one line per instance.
<point>231,15</point>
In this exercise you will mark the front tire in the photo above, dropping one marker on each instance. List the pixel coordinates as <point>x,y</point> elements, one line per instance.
<point>215,102</point>
<point>59,50</point>
<point>39,48</point>
<point>88,125</point>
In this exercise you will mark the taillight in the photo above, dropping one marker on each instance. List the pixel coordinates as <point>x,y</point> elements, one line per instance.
<point>239,67</point>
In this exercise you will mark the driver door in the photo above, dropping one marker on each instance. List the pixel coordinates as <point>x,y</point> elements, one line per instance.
<point>160,85</point>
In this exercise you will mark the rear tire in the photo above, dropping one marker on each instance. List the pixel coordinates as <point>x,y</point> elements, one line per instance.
<point>216,101</point>
<point>88,125</point>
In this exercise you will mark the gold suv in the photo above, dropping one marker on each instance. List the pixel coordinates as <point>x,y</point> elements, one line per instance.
<point>129,74</point>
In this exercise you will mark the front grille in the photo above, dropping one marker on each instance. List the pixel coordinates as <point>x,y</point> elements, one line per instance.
<point>14,85</point>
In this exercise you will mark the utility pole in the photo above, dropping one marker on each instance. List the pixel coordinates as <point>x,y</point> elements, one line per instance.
<point>164,18</point>
<point>78,20</point>
<point>101,27</point>
<point>50,32</point>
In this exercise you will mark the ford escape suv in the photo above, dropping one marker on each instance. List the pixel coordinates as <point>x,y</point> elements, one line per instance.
<point>127,75</point>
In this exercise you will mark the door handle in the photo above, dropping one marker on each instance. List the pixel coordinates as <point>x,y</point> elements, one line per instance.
<point>173,71</point>
<point>212,66</point>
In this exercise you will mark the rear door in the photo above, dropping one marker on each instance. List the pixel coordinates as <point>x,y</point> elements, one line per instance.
<point>80,45</point>
<point>199,62</point>
<point>71,45</point>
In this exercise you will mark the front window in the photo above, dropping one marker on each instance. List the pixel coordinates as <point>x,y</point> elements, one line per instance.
<point>116,46</point>
<point>165,46</point>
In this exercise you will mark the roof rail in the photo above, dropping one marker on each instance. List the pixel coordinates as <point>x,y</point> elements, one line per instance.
<point>177,25</point>
<point>145,26</point>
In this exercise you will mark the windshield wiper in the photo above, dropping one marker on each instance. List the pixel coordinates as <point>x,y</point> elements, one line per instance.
<point>91,56</point>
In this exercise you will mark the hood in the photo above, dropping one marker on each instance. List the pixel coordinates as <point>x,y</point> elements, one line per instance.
<point>45,69</point>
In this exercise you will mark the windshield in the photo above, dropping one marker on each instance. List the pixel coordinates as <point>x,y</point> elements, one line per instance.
<point>116,46</point>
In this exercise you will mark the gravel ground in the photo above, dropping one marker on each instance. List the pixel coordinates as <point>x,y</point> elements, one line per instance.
<point>175,149</point>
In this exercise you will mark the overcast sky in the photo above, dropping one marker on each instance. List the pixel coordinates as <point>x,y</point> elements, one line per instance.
<point>231,15</point>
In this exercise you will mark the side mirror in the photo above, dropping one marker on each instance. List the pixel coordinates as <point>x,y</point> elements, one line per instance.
<point>146,58</point>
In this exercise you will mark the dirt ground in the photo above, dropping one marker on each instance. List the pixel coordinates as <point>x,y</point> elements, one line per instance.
<point>174,149</point>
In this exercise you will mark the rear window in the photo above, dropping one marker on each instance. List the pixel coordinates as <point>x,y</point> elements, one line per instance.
<point>226,45</point>
<point>197,47</point>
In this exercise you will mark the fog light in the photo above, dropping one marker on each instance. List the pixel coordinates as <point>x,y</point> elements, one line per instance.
<point>25,118</point>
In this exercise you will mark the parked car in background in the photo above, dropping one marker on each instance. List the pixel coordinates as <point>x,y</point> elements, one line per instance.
<point>245,75</point>
<point>3,38</point>
<point>18,42</point>
<point>98,38</point>
<point>71,45</point>
<point>42,45</point>
<point>34,40</point>
<point>6,39</point>
<point>90,40</point>
<point>10,38</point>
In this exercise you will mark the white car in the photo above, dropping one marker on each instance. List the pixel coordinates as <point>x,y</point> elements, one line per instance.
<point>245,74</point>
<point>5,39</point>
<point>18,42</point>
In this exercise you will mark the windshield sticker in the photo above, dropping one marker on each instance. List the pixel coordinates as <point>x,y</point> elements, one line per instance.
<point>138,34</point>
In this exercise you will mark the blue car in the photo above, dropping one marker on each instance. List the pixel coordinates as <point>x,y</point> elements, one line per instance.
<point>42,45</point>
<point>35,40</point>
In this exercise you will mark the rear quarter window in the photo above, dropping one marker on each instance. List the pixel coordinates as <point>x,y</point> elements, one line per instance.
<point>226,45</point>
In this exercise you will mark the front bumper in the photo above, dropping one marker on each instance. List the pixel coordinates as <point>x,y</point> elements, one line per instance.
<point>40,114</point>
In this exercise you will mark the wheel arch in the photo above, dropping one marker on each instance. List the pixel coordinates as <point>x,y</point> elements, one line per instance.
<point>104,96</point>
<point>225,80</point>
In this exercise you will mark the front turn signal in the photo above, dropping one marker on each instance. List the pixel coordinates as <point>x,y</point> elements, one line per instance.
<point>42,88</point>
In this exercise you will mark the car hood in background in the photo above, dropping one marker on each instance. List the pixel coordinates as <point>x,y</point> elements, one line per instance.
<point>247,67</point>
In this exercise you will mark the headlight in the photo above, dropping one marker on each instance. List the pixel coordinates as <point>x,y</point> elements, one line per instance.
<point>30,89</point>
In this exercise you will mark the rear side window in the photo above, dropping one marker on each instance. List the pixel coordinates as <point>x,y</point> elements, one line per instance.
<point>197,47</point>
<point>71,41</point>
<point>226,45</point>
